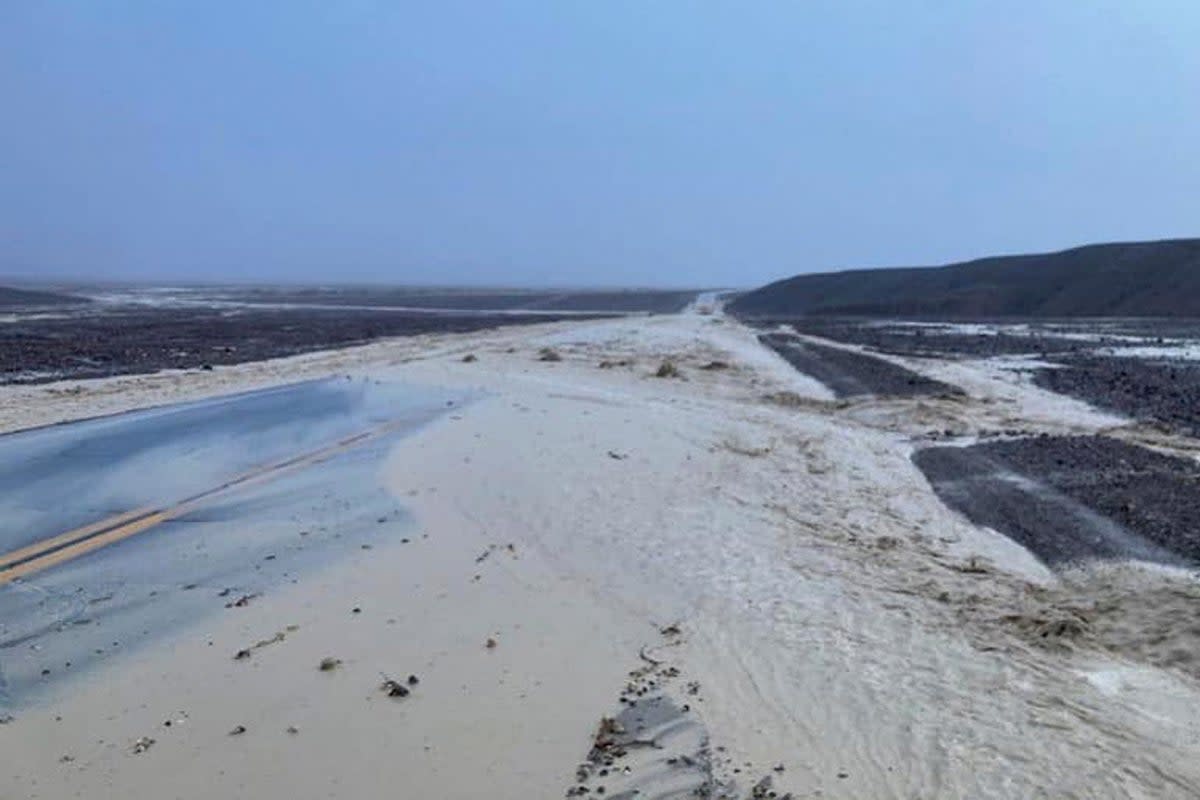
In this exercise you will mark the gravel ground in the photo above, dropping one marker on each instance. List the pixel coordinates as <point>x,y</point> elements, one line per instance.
<point>1152,391</point>
<point>929,341</point>
<point>850,374</point>
<point>141,340</point>
<point>1072,499</point>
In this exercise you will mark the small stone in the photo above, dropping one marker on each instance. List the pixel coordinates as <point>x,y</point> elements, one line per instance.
<point>238,730</point>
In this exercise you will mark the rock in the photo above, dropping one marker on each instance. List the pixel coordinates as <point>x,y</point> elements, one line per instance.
<point>490,644</point>
<point>329,664</point>
<point>142,744</point>
<point>469,358</point>
<point>238,730</point>
<point>393,688</point>
<point>413,680</point>
<point>549,354</point>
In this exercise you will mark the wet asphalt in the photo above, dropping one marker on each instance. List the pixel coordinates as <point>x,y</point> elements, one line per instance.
<point>57,623</point>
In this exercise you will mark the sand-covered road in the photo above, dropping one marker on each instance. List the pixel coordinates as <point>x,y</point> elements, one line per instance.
<point>752,550</point>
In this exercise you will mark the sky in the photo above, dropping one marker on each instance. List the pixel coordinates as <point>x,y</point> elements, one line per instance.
<point>502,142</point>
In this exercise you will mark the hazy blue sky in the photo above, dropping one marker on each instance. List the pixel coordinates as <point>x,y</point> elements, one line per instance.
<point>591,142</point>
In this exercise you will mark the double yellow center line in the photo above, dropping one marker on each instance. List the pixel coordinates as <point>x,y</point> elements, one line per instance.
<point>74,543</point>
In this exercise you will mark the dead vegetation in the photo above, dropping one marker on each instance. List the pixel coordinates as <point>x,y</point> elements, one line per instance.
<point>667,369</point>
<point>749,451</point>
<point>246,652</point>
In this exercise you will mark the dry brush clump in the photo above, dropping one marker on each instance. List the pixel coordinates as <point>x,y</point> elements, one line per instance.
<point>667,369</point>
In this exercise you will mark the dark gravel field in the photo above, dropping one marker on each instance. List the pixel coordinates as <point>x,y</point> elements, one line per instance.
<point>140,340</point>
<point>850,374</point>
<point>660,301</point>
<point>1164,392</point>
<point>1070,499</point>
<point>939,342</point>
<point>1159,390</point>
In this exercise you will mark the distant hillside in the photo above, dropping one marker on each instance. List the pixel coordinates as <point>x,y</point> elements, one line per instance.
<point>1137,279</point>
<point>10,298</point>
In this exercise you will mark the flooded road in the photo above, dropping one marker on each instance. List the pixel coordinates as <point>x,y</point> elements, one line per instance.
<point>118,529</point>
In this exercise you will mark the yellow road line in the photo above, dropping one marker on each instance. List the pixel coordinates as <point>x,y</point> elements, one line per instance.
<point>86,546</point>
<point>66,538</point>
<point>74,543</point>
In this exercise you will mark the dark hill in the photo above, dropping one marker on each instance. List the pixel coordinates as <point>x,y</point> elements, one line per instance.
<point>12,298</point>
<point>1137,279</point>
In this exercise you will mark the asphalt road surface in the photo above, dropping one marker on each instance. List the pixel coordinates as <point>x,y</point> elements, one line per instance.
<point>118,529</point>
